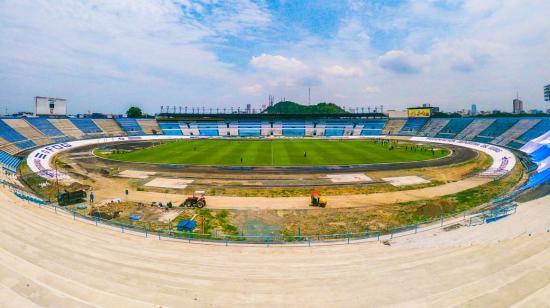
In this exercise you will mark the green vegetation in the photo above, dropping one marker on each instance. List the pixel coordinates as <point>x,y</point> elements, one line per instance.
<point>134,112</point>
<point>294,108</point>
<point>310,152</point>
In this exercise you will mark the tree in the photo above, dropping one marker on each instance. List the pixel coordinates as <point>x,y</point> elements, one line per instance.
<point>134,112</point>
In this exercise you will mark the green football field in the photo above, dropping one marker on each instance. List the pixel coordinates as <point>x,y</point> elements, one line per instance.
<point>277,152</point>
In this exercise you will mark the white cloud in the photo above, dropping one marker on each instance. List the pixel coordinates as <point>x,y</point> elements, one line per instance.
<point>371,89</point>
<point>343,71</point>
<point>278,63</point>
<point>253,89</point>
<point>402,62</point>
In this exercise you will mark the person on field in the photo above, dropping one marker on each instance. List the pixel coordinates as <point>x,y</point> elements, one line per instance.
<point>305,154</point>
<point>91,197</point>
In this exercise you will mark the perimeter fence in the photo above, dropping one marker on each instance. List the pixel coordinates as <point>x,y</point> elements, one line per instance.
<point>445,222</point>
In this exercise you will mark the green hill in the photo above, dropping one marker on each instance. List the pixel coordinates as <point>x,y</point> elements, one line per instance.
<point>294,108</point>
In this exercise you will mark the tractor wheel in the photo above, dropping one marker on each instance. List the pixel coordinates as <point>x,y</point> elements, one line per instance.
<point>200,204</point>
<point>187,203</point>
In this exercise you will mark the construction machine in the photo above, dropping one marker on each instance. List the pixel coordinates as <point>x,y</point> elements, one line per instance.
<point>317,200</point>
<point>196,201</point>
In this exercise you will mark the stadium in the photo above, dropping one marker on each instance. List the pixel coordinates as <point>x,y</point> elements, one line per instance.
<point>413,195</point>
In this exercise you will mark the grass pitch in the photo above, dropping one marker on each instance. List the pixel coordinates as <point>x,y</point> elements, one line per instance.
<point>278,152</point>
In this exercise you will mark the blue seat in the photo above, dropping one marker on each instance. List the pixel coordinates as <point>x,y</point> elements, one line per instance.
<point>11,135</point>
<point>497,128</point>
<point>294,128</point>
<point>87,126</point>
<point>454,127</point>
<point>47,128</point>
<point>130,126</point>
<point>170,128</point>
<point>249,128</point>
<point>208,128</point>
<point>413,126</point>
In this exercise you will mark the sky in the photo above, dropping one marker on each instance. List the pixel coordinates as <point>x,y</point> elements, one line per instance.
<point>105,55</point>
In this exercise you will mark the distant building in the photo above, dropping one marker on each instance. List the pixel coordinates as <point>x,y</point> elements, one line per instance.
<point>517,106</point>
<point>474,109</point>
<point>547,93</point>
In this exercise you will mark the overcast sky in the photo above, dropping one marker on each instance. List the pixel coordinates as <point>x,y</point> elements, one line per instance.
<point>106,55</point>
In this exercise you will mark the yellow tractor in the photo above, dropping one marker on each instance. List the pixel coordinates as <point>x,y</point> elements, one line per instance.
<point>317,200</point>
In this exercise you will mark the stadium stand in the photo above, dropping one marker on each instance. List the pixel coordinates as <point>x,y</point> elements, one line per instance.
<point>9,147</point>
<point>454,127</point>
<point>109,127</point>
<point>539,151</point>
<point>433,127</point>
<point>335,128</point>
<point>26,130</point>
<point>67,128</point>
<point>47,128</point>
<point>538,130</point>
<point>149,126</point>
<point>294,128</point>
<point>208,128</point>
<point>170,128</point>
<point>249,128</point>
<point>228,128</point>
<point>373,127</point>
<point>393,126</point>
<point>475,127</point>
<point>9,163</point>
<point>357,129</point>
<point>87,126</point>
<point>130,126</point>
<point>413,126</point>
<point>515,131</point>
<point>189,128</point>
<point>497,128</point>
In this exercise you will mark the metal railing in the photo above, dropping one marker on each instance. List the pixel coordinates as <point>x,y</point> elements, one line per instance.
<point>462,219</point>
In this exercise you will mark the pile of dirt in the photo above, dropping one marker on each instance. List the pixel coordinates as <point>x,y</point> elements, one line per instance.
<point>111,210</point>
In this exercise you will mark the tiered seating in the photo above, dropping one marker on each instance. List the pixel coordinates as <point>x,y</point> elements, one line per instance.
<point>26,130</point>
<point>229,128</point>
<point>335,128</point>
<point>433,127</point>
<point>130,126</point>
<point>109,127</point>
<point>170,128</point>
<point>189,128</point>
<point>454,127</point>
<point>149,126</point>
<point>294,128</point>
<point>9,162</point>
<point>413,126</point>
<point>393,126</point>
<point>9,147</point>
<point>249,128</point>
<point>87,126</point>
<point>515,131</point>
<point>208,128</point>
<point>373,127</point>
<point>538,130</point>
<point>47,128</point>
<point>497,128</point>
<point>476,127</point>
<point>67,128</point>
<point>357,129</point>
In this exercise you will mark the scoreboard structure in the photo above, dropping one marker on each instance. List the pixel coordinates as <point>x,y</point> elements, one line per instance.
<point>421,112</point>
<point>49,106</point>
